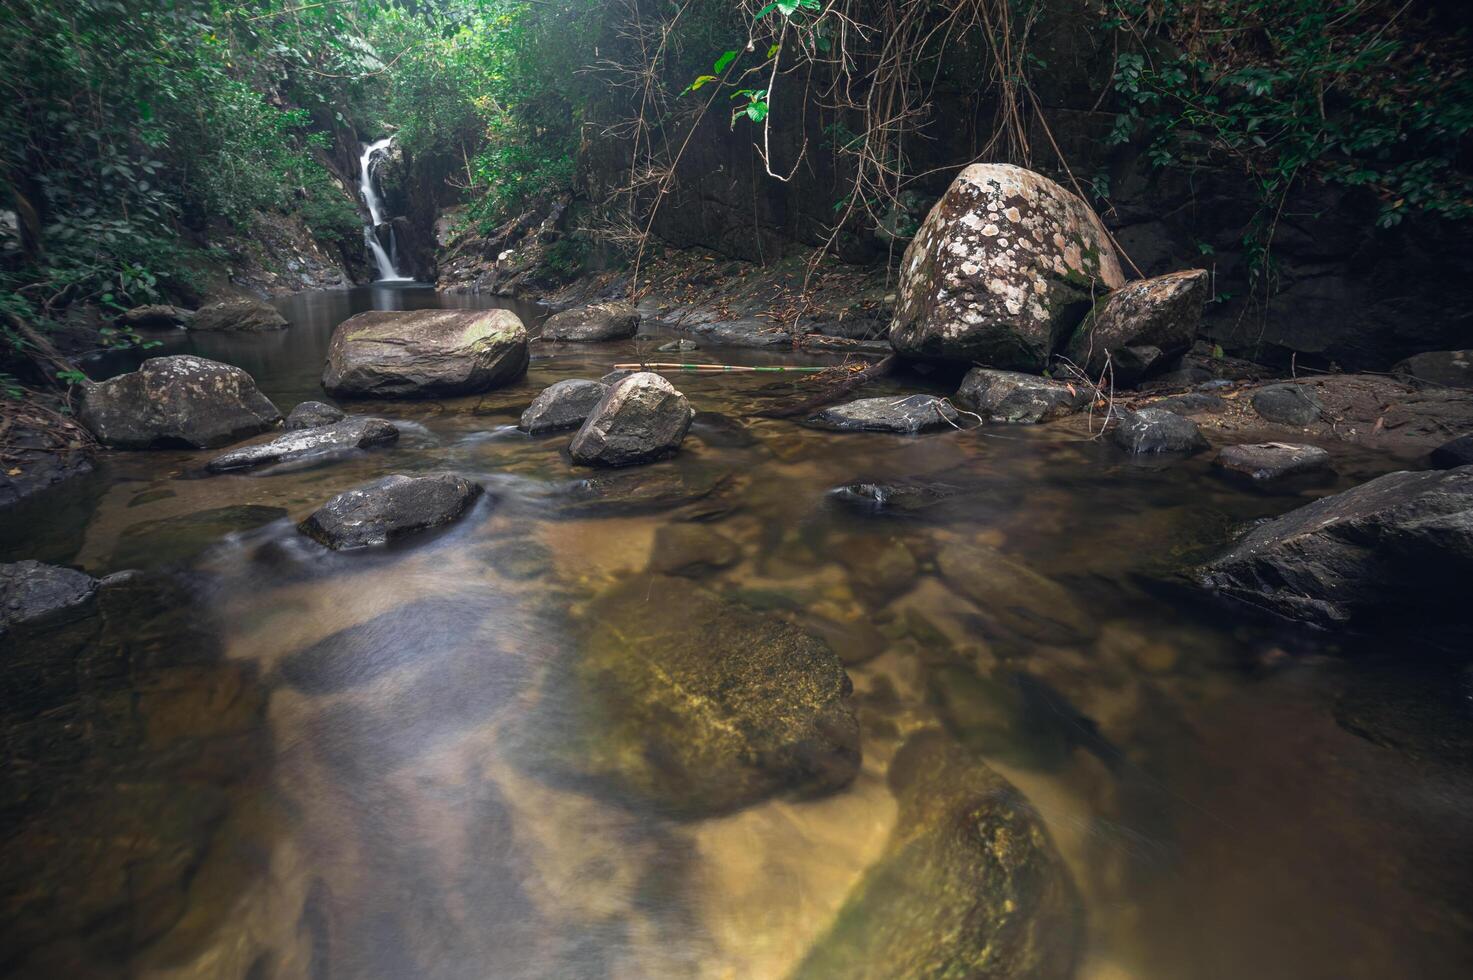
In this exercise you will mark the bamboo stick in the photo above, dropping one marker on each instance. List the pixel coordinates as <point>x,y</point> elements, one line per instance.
<point>720,368</point>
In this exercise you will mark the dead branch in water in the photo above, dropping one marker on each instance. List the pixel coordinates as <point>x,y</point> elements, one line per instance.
<point>836,382</point>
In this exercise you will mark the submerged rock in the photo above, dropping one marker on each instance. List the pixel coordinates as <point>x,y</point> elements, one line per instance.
<point>710,491</point>
<point>1287,404</point>
<point>969,884</point>
<point>895,498</point>
<point>691,549</point>
<point>698,705</point>
<point>33,594</point>
<point>309,415</point>
<point>1450,368</point>
<point>1453,453</point>
<point>388,509</point>
<point>640,419</point>
<point>880,568</point>
<point>1005,265</point>
<point>563,405</point>
<point>1143,325</point>
<point>1270,461</point>
<point>1010,396</point>
<point>1013,596</point>
<point>909,414</point>
<point>324,440</point>
<point>178,401</point>
<point>610,320</point>
<point>425,353</point>
<point>1402,544</point>
<point>1155,430</point>
<point>243,315</point>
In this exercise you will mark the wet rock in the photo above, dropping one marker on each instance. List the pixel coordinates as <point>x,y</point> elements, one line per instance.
<point>697,705</point>
<point>754,333</point>
<point>708,492</point>
<point>640,419</point>
<point>1003,268</point>
<point>389,509</point>
<point>610,320</point>
<point>1142,326</point>
<point>563,405</point>
<point>676,346</point>
<point>1191,403</point>
<point>1270,461</point>
<point>240,315</point>
<point>896,498</point>
<point>33,594</point>
<point>1010,396</point>
<point>969,884</point>
<point>1190,375</point>
<point>156,315</point>
<point>1012,596</point>
<point>173,540</point>
<point>880,568</point>
<point>691,550</point>
<point>1453,453</point>
<point>1401,544</point>
<point>425,353</point>
<point>309,415</point>
<point>319,442</point>
<point>1449,368</point>
<point>909,414</point>
<point>178,401</point>
<point>1287,404</point>
<point>519,558</point>
<point>1155,430</point>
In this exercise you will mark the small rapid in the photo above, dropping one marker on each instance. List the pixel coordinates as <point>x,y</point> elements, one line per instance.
<point>382,257</point>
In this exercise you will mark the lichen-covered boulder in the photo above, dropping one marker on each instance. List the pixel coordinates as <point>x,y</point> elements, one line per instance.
<point>969,884</point>
<point>1399,545</point>
<point>240,315</point>
<point>388,509</point>
<point>906,414</point>
<point>309,415</point>
<point>642,418</point>
<point>1155,430</point>
<point>179,401</point>
<point>320,441</point>
<point>562,405</point>
<point>1141,327</point>
<point>611,320</point>
<point>425,353</point>
<point>1010,396</point>
<point>1004,267</point>
<point>698,705</point>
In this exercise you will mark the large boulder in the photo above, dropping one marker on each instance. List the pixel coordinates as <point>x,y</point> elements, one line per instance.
<point>1155,430</point>
<point>1400,545</point>
<point>562,405</point>
<point>703,708</point>
<point>642,418</point>
<point>611,320</point>
<point>241,315</point>
<point>1141,327</point>
<point>425,353</point>
<point>1010,396</point>
<point>178,401</point>
<point>388,509</point>
<point>908,414</point>
<point>323,440</point>
<point>1003,269</point>
<point>309,415</point>
<point>969,884</point>
<point>1449,368</point>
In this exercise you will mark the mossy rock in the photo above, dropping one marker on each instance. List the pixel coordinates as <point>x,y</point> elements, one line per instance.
<point>695,705</point>
<point>969,886</point>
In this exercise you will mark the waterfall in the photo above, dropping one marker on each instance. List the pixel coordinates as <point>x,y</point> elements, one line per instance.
<point>386,270</point>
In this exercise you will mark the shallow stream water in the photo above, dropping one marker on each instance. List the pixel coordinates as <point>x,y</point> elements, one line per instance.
<point>348,772</point>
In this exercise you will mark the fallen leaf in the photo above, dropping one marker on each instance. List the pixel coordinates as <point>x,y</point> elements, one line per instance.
<point>13,472</point>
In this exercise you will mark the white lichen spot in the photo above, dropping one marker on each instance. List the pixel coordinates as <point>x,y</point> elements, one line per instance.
<point>1013,215</point>
<point>990,230</point>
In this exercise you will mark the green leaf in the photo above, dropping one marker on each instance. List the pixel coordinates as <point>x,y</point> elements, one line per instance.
<point>773,51</point>
<point>721,62</point>
<point>757,111</point>
<point>695,85</point>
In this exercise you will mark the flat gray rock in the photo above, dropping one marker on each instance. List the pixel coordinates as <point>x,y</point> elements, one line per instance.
<point>238,315</point>
<point>1011,396</point>
<point>1269,461</point>
<point>563,405</point>
<point>907,414</point>
<point>323,440</point>
<point>33,593</point>
<point>1155,430</point>
<point>178,401</point>
<point>388,509</point>
<point>1192,403</point>
<point>1287,404</point>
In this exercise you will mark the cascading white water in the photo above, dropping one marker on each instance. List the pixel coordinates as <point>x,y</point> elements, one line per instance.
<point>386,270</point>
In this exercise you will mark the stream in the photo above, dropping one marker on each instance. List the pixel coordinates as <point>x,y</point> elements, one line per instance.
<point>351,765</point>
